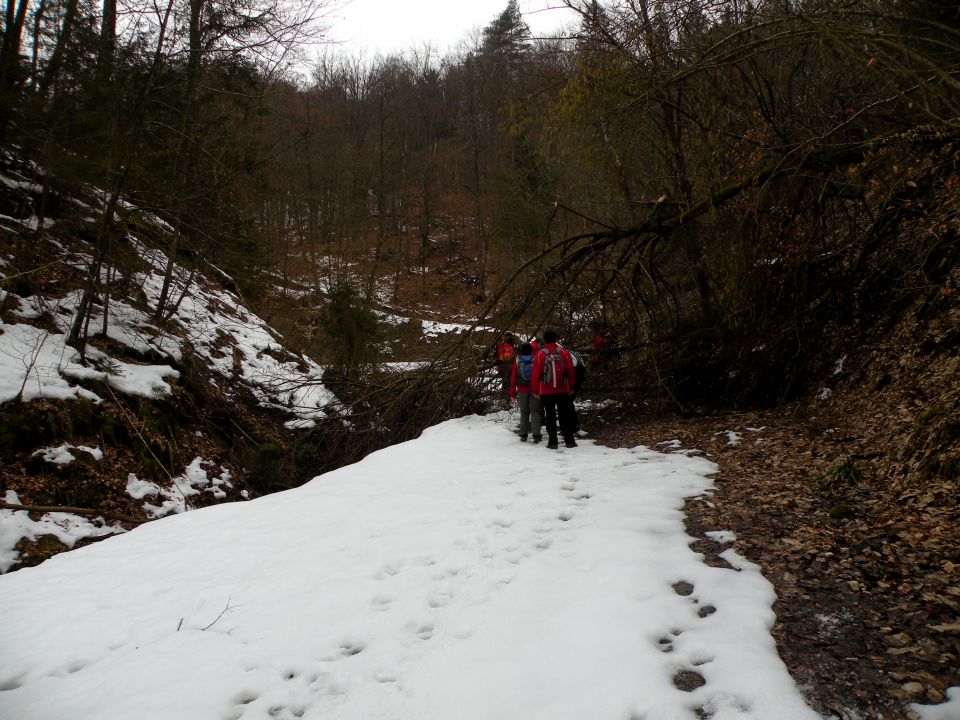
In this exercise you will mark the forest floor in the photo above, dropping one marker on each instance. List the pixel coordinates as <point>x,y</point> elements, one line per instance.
<point>866,570</point>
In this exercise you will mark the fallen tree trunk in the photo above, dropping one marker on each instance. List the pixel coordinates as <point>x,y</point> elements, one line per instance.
<point>73,510</point>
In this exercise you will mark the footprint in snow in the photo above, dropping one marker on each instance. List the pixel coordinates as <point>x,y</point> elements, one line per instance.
<point>70,668</point>
<point>424,631</point>
<point>688,680</point>
<point>686,589</point>
<point>665,644</point>
<point>239,704</point>
<point>12,683</point>
<point>708,710</point>
<point>281,712</point>
<point>387,570</point>
<point>351,647</point>
<point>385,677</point>
<point>382,601</point>
<point>440,597</point>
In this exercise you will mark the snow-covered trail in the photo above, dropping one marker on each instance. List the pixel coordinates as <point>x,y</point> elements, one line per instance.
<point>460,576</point>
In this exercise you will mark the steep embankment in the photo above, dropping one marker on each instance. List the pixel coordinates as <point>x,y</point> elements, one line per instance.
<point>151,410</point>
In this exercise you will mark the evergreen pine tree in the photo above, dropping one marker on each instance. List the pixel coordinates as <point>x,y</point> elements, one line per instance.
<point>508,37</point>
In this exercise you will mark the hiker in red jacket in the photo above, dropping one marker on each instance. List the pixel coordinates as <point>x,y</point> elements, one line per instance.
<point>521,391</point>
<point>552,382</point>
<point>506,352</point>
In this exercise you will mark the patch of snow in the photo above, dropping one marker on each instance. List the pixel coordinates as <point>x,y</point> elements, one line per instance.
<point>824,393</point>
<point>599,405</point>
<point>68,528</point>
<point>15,184</point>
<point>300,424</point>
<point>433,329</point>
<point>139,489</point>
<point>142,380</point>
<point>391,319</point>
<point>949,710</point>
<point>404,366</point>
<point>61,454</point>
<point>35,364</point>
<point>57,455</point>
<point>733,438</point>
<point>28,308</point>
<point>194,480</point>
<point>721,536</point>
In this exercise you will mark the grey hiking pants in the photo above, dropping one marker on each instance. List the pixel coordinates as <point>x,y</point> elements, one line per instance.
<point>531,413</point>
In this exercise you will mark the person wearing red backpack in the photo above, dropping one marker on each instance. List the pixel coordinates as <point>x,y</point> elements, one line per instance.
<point>552,382</point>
<point>506,352</point>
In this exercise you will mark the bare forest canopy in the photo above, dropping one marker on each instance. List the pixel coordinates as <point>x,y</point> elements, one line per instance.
<point>734,190</point>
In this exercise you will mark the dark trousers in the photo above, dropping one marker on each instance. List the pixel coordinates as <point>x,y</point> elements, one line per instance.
<point>504,372</point>
<point>559,406</point>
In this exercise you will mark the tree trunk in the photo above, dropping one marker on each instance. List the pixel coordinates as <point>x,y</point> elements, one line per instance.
<point>108,41</point>
<point>63,40</point>
<point>37,24</point>
<point>14,18</point>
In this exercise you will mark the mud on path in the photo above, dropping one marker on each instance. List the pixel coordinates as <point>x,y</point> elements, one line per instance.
<point>866,570</point>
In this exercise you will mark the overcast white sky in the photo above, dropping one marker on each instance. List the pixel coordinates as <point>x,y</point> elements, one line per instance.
<point>386,26</point>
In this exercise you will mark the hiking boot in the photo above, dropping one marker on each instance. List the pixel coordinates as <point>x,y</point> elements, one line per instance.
<point>537,438</point>
<point>523,438</point>
<point>552,444</point>
<point>570,443</point>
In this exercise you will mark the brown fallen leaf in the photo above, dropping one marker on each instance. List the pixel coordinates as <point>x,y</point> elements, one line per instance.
<point>953,628</point>
<point>904,651</point>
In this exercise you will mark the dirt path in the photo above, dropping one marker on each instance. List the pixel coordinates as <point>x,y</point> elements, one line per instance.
<point>867,574</point>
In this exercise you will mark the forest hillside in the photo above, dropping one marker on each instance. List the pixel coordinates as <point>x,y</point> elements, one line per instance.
<point>239,274</point>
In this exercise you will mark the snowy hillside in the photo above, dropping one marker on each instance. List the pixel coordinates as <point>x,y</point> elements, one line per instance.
<point>129,353</point>
<point>37,363</point>
<point>160,410</point>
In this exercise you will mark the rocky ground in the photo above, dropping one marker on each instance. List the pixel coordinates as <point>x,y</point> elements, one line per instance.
<point>866,568</point>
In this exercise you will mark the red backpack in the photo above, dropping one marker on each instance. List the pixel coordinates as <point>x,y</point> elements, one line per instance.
<point>554,369</point>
